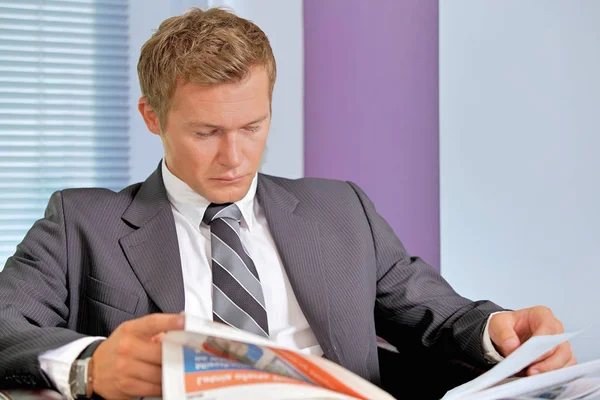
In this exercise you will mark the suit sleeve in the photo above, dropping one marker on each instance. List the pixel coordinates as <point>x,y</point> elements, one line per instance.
<point>34,301</point>
<point>415,307</point>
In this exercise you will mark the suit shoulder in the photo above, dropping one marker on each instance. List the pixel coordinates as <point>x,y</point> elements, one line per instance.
<point>319,189</point>
<point>310,184</point>
<point>94,198</point>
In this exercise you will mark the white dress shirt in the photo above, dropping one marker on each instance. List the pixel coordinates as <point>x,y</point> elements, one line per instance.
<point>287,323</point>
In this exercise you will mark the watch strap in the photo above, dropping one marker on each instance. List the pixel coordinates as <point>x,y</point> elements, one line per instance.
<point>88,351</point>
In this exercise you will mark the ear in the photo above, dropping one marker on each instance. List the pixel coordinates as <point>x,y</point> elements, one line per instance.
<point>150,117</point>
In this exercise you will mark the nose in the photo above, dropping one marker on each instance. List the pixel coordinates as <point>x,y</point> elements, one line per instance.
<point>230,151</point>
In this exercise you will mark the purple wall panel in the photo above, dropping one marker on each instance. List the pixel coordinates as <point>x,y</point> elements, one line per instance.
<point>371,108</point>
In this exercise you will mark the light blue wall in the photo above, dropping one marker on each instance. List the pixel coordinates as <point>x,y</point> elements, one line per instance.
<point>520,156</point>
<point>145,148</point>
<point>282,23</point>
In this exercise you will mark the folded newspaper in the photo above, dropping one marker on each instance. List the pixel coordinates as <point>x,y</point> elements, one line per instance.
<point>213,361</point>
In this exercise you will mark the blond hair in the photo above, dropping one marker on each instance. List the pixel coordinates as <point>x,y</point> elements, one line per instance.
<point>205,47</point>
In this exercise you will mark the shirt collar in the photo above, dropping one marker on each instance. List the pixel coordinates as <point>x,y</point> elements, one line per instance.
<point>193,206</point>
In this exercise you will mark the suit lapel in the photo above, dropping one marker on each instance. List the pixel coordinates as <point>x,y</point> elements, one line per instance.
<point>298,243</point>
<point>152,249</point>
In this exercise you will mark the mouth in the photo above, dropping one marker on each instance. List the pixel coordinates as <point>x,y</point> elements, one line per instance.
<point>229,179</point>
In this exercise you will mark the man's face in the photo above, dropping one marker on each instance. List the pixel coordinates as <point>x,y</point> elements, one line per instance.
<point>215,135</point>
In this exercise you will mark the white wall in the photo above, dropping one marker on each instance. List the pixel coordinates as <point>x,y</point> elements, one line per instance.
<point>282,22</point>
<point>519,148</point>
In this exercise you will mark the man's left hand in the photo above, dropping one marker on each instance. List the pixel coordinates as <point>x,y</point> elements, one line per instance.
<point>508,330</point>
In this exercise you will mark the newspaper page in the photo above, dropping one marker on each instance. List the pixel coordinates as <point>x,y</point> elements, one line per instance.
<point>563,383</point>
<point>580,389</point>
<point>500,382</point>
<point>214,361</point>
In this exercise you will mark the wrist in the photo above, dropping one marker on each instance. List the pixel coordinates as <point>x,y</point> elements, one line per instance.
<point>89,389</point>
<point>83,373</point>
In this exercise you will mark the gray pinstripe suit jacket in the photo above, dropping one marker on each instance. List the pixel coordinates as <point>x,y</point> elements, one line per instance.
<point>99,258</point>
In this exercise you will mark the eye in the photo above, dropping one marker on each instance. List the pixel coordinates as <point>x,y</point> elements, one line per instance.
<point>205,134</point>
<point>252,128</point>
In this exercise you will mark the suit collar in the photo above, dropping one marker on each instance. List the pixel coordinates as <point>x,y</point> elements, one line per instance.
<point>152,249</point>
<point>298,241</point>
<point>271,192</point>
<point>150,199</point>
<point>193,205</point>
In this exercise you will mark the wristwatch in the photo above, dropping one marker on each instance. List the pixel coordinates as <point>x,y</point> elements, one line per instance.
<point>80,375</point>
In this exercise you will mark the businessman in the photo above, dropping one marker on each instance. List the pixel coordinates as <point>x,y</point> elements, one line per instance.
<point>308,263</point>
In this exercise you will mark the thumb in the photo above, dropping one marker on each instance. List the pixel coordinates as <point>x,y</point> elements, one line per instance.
<point>151,325</point>
<point>503,334</point>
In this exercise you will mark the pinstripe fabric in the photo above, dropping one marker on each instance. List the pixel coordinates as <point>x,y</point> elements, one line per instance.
<point>99,258</point>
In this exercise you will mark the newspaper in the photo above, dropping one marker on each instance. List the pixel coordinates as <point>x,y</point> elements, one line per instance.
<point>575,382</point>
<point>212,361</point>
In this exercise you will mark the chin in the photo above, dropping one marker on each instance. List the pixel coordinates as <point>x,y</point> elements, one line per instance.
<point>229,195</point>
<point>220,193</point>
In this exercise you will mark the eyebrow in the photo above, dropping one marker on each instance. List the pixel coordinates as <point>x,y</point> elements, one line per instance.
<point>209,125</point>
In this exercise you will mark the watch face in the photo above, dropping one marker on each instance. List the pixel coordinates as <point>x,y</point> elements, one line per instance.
<point>78,378</point>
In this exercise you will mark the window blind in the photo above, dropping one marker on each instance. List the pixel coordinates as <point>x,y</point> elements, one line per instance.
<point>63,105</point>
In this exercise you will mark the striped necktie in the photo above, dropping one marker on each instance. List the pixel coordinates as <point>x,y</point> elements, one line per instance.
<point>237,293</point>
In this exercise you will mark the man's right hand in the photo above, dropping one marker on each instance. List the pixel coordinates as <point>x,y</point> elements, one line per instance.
<point>128,363</point>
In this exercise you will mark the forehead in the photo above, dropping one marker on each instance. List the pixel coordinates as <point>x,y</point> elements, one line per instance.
<point>241,99</point>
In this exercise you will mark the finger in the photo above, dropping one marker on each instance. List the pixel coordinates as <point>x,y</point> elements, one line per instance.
<point>549,327</point>
<point>150,353</point>
<point>559,359</point>
<point>135,388</point>
<point>572,361</point>
<point>137,370</point>
<point>150,325</point>
<point>544,356</point>
<point>157,338</point>
<point>144,372</point>
<point>133,348</point>
<point>545,322</point>
<point>502,333</point>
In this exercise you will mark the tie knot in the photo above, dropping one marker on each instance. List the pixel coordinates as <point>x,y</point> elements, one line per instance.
<point>225,211</point>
